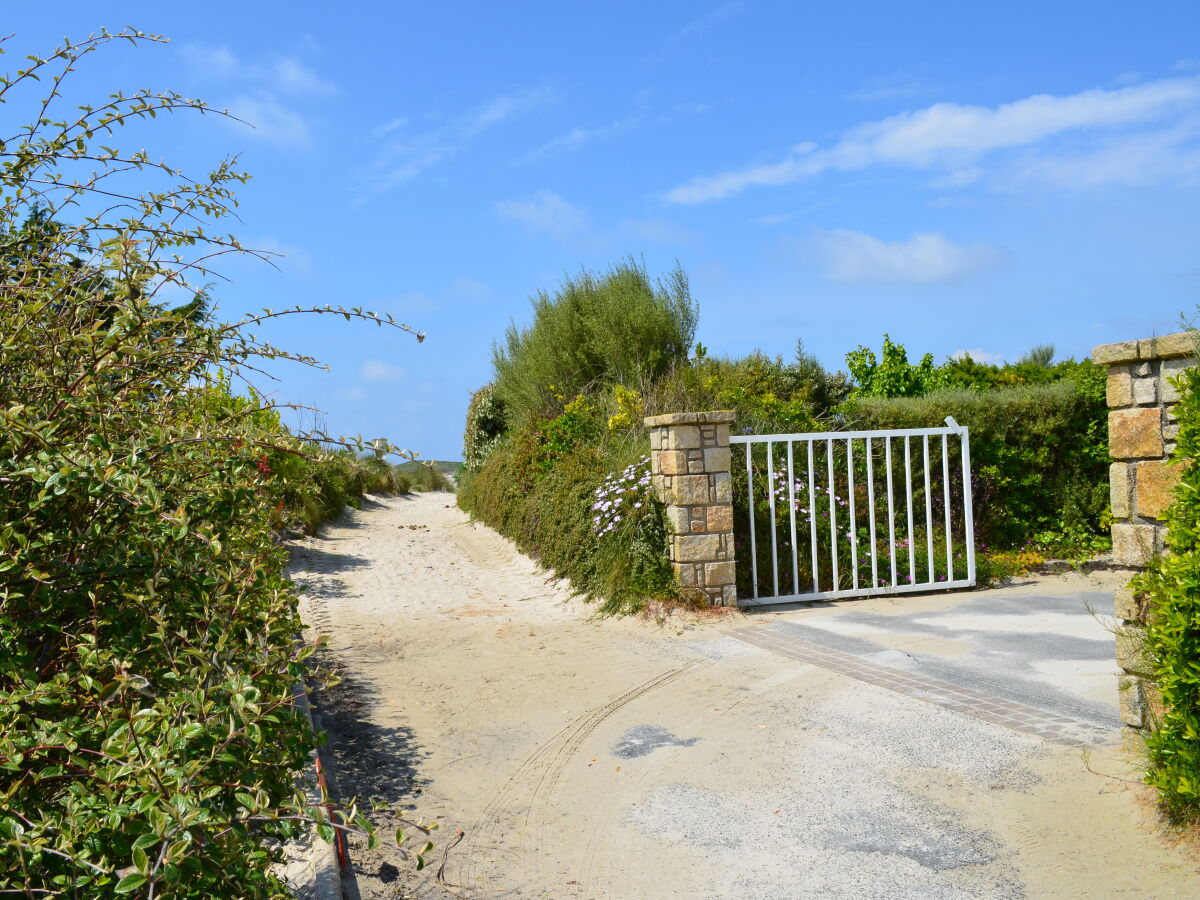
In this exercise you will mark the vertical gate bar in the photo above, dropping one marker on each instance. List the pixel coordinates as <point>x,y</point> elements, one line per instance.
<point>969,512</point>
<point>791,476</point>
<point>750,503</point>
<point>774,529</point>
<point>812,516</point>
<point>853,522</point>
<point>891,512</point>
<point>871,511</point>
<point>928,511</point>
<point>946,499</point>
<point>833,545</point>
<point>912,549</point>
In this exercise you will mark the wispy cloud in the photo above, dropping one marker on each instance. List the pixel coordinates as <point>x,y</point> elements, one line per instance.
<point>951,137</point>
<point>377,370</point>
<point>852,256</point>
<point>706,21</point>
<point>892,87</point>
<point>267,91</point>
<point>546,212</point>
<point>578,138</point>
<point>283,255</point>
<point>406,155</point>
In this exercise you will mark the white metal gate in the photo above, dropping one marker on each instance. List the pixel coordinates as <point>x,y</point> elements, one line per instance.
<point>862,483</point>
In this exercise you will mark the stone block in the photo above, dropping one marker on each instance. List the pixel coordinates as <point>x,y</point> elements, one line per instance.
<point>1118,490</point>
<point>723,435</point>
<point>689,490</point>
<point>1131,651</point>
<point>656,438</point>
<point>1154,483</point>
<point>1181,343</point>
<point>729,595</point>
<point>1109,354</point>
<point>1120,388</point>
<point>1172,369</point>
<point>1143,369</point>
<point>671,462</point>
<point>683,437</point>
<point>1135,433</point>
<point>1145,390</point>
<point>1170,433</point>
<point>694,547</point>
<point>720,518</point>
<point>679,519</point>
<point>722,487</point>
<point>696,466</point>
<point>1134,545</point>
<point>1129,605</point>
<point>716,459</point>
<point>1129,694</point>
<point>719,574</point>
<point>685,574</point>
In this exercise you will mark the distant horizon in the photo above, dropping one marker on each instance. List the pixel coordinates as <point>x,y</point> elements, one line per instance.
<point>964,179</point>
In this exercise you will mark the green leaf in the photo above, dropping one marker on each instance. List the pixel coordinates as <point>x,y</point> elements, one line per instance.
<point>130,882</point>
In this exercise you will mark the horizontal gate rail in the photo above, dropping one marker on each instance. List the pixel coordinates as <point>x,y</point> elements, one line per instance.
<point>842,556</point>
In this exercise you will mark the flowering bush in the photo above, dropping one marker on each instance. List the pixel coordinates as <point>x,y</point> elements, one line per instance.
<point>620,496</point>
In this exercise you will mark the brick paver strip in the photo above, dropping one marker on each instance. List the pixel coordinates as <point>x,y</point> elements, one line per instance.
<point>996,710</point>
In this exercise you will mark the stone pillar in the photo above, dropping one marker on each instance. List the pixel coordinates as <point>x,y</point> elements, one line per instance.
<point>1141,437</point>
<point>689,462</point>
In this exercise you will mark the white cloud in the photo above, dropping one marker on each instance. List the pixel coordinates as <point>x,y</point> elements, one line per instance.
<point>546,211</point>
<point>406,156</point>
<point>464,287</point>
<point>291,75</point>
<point>260,86</point>
<point>271,120</point>
<point>377,370</point>
<point>892,87</point>
<point>979,355</point>
<point>852,256</point>
<point>952,136</point>
<point>578,138</point>
<point>282,254</point>
<point>706,21</point>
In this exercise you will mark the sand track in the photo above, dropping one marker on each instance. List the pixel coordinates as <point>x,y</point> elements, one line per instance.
<point>625,759</point>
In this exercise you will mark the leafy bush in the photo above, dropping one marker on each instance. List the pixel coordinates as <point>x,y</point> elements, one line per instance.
<point>618,327</point>
<point>1172,636</point>
<point>149,740</point>
<point>486,423</point>
<point>540,488</point>
<point>1039,456</point>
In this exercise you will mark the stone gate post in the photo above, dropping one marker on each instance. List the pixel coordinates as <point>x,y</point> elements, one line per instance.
<point>689,463</point>
<point>1141,437</point>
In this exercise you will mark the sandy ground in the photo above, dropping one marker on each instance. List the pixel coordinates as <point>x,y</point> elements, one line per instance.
<point>590,758</point>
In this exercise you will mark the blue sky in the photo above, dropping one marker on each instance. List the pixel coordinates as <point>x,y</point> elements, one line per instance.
<point>978,177</point>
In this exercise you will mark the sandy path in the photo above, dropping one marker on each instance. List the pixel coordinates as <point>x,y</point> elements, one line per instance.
<point>621,759</point>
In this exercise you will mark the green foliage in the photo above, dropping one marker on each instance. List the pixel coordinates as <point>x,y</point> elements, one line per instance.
<point>891,375</point>
<point>149,739</point>
<point>544,501</point>
<point>1172,636</point>
<point>618,327</point>
<point>486,423</point>
<point>1039,457</point>
<point>767,394</point>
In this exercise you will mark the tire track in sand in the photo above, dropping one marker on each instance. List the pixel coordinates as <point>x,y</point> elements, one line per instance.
<point>523,795</point>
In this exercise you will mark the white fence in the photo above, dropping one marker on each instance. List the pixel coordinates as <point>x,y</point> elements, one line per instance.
<point>863,484</point>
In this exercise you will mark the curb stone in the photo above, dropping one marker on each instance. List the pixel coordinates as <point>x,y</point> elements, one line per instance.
<point>309,866</point>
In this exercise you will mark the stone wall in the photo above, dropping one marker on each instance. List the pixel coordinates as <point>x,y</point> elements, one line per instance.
<point>689,463</point>
<point>1141,437</point>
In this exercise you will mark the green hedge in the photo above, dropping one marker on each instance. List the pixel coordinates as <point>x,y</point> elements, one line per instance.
<point>1172,638</point>
<point>1039,456</point>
